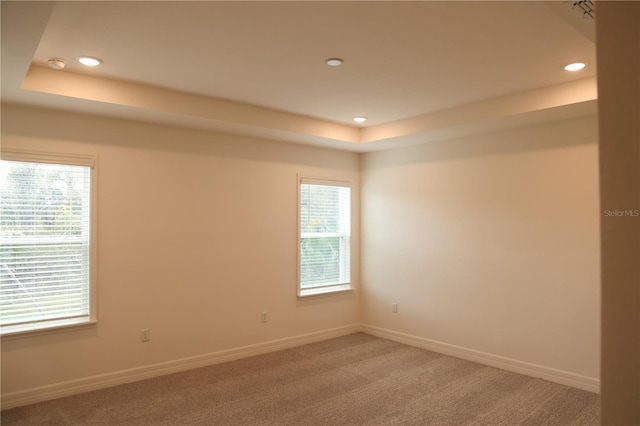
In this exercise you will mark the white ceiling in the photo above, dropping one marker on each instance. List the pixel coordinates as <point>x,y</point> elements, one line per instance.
<point>419,70</point>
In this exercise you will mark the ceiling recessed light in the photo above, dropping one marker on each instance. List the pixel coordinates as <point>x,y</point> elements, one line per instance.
<point>56,64</point>
<point>575,66</point>
<point>334,62</point>
<point>360,119</point>
<point>89,61</point>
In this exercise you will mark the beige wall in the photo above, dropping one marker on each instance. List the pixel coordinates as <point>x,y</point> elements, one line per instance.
<point>618,44</point>
<point>197,236</point>
<point>489,243</point>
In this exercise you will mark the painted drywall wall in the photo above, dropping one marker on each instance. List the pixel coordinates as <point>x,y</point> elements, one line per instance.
<point>197,235</point>
<point>489,243</point>
<point>618,45</point>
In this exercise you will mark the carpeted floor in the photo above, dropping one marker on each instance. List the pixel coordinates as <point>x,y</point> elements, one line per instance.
<point>352,380</point>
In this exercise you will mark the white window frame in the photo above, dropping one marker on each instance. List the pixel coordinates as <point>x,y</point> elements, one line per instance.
<point>329,288</point>
<point>48,326</point>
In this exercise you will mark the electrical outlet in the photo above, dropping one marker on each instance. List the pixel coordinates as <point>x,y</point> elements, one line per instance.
<point>263,317</point>
<point>145,335</point>
<point>394,308</point>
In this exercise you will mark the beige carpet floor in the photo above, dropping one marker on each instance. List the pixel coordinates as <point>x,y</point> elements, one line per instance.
<point>352,380</point>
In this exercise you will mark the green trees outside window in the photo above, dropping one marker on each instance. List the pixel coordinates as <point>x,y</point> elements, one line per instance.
<point>44,242</point>
<point>325,235</point>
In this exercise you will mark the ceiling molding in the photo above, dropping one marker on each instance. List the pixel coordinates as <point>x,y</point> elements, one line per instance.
<point>135,95</point>
<point>491,109</point>
<point>26,82</point>
<point>235,117</point>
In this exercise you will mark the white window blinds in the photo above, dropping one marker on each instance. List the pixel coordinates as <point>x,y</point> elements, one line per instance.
<point>325,236</point>
<point>44,243</point>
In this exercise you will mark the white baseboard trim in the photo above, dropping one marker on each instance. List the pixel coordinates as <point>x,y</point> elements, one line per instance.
<point>87,384</point>
<point>557,376</point>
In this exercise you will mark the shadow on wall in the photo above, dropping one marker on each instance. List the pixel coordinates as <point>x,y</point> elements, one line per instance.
<point>85,128</point>
<point>523,139</point>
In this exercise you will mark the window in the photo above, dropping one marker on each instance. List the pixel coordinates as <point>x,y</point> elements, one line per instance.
<point>324,254</point>
<point>45,241</point>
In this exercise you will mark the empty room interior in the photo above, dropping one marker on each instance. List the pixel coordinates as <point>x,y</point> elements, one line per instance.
<point>462,159</point>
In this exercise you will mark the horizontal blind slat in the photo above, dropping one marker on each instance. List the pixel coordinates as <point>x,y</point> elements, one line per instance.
<point>325,228</point>
<point>44,242</point>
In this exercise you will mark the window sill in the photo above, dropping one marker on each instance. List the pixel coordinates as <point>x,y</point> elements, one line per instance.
<point>310,292</point>
<point>36,329</point>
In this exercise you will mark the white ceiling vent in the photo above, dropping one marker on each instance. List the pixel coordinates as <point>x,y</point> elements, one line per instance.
<point>585,9</point>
